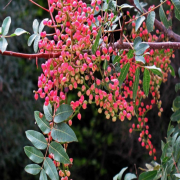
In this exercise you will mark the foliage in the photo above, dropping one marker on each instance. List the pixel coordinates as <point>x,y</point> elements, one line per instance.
<point>81,58</point>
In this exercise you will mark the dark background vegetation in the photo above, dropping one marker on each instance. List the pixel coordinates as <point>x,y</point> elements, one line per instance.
<point>104,147</point>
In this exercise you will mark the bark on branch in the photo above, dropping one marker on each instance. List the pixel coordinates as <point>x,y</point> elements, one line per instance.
<point>116,46</point>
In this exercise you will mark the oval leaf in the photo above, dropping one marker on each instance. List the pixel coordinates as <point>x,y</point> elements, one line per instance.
<point>146,82</point>
<point>41,26</point>
<point>140,59</point>
<point>33,169</point>
<point>172,70</point>
<point>136,83</point>
<point>62,113</point>
<point>37,139</point>
<point>176,116</point>
<point>177,175</point>
<point>164,18</point>
<point>150,21</point>
<point>177,87</point>
<point>3,44</point>
<point>176,102</point>
<point>35,26</point>
<point>19,32</point>
<point>34,154</point>
<point>119,175</point>
<point>59,153</point>
<point>50,169</point>
<point>141,49</point>
<point>136,2</point>
<point>36,43</point>
<point>137,41</point>
<point>130,176</point>
<point>5,25</point>
<point>48,112</point>
<point>147,175</point>
<point>96,43</point>
<point>42,123</point>
<point>63,133</point>
<point>31,39</point>
<point>43,175</point>
<point>139,21</point>
<point>123,74</point>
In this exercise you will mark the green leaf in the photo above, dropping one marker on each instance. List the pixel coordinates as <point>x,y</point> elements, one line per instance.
<point>130,54</point>
<point>153,68</point>
<point>164,18</point>
<point>172,70</point>
<point>137,42</point>
<point>0,30</point>
<point>3,44</point>
<point>141,49</point>
<point>63,133</point>
<point>147,175</point>
<point>136,2</point>
<point>5,25</point>
<point>41,26</point>
<point>130,176</point>
<point>96,43</point>
<point>63,113</point>
<point>146,82</point>
<point>31,39</point>
<point>139,21</point>
<point>140,59</point>
<point>37,139</point>
<point>34,154</point>
<point>123,74</point>
<point>50,169</point>
<point>104,6</point>
<point>35,26</point>
<point>48,112</point>
<point>112,6</point>
<point>116,59</point>
<point>126,6</point>
<point>36,43</point>
<point>177,87</point>
<point>177,149</point>
<point>150,21</point>
<point>33,169</point>
<point>42,123</point>
<point>176,116</point>
<point>176,4</point>
<point>59,153</point>
<point>119,175</point>
<point>177,175</point>
<point>176,102</point>
<point>136,83</point>
<point>43,175</point>
<point>177,14</point>
<point>19,32</point>
<point>105,64</point>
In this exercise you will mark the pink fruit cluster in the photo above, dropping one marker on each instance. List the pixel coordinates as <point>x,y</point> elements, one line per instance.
<point>78,68</point>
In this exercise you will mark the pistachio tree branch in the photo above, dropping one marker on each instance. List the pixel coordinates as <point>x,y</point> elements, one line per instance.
<point>116,46</point>
<point>168,32</point>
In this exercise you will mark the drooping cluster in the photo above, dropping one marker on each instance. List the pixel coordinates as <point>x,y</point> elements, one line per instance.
<point>93,68</point>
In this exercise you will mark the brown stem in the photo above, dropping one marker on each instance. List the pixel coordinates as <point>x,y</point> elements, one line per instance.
<point>116,45</point>
<point>39,5</point>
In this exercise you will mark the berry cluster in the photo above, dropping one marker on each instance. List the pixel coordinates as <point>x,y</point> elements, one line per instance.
<point>94,75</point>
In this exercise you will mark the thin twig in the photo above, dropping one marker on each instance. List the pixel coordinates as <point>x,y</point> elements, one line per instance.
<point>7,4</point>
<point>39,5</point>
